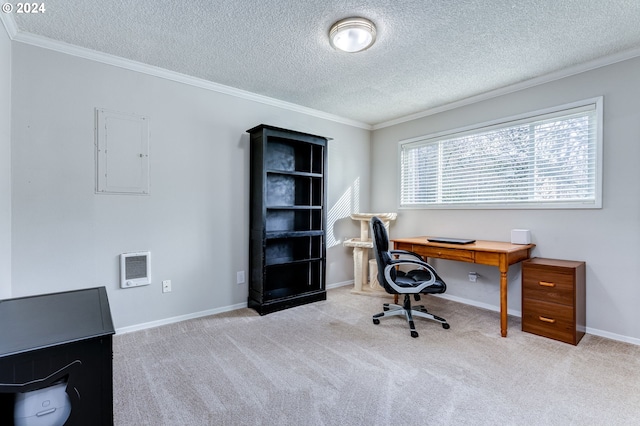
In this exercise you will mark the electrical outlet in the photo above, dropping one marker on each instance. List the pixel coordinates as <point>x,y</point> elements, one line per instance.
<point>240,277</point>
<point>166,286</point>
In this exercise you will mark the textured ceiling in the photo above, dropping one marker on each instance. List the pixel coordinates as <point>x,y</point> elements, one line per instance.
<point>429,53</point>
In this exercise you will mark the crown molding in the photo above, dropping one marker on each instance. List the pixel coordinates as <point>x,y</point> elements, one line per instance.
<point>557,75</point>
<point>93,55</point>
<point>108,59</point>
<point>9,24</point>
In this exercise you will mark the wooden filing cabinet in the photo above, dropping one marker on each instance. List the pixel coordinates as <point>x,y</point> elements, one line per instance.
<point>553,299</point>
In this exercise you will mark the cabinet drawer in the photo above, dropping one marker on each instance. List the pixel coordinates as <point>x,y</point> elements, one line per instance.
<point>549,319</point>
<point>549,285</point>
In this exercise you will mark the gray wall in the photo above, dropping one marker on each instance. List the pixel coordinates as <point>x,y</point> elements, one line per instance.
<point>195,222</point>
<point>606,239</point>
<point>5,164</point>
<point>57,234</point>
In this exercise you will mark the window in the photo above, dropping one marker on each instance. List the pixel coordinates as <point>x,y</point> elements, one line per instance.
<point>546,159</point>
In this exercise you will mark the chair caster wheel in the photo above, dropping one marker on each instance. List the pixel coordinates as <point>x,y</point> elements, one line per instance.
<point>376,321</point>
<point>414,334</point>
<point>445,326</point>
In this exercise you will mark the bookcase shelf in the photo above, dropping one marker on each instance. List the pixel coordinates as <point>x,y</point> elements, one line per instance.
<point>287,219</point>
<point>293,190</point>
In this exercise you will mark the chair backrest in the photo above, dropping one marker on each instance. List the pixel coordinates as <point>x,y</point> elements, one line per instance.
<point>381,250</point>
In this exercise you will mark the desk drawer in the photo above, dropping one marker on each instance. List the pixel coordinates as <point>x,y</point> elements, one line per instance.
<point>549,320</point>
<point>404,246</point>
<point>548,285</point>
<point>446,253</point>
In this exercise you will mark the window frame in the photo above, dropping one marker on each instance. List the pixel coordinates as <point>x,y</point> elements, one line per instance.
<point>596,103</point>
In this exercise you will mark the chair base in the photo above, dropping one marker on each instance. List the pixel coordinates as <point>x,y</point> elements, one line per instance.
<point>392,309</point>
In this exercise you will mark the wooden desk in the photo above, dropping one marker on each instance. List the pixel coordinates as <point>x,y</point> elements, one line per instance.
<point>493,253</point>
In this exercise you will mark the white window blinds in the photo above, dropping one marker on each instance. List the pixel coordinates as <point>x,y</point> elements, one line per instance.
<point>544,160</point>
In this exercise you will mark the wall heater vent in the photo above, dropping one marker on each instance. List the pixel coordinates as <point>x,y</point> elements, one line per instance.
<point>135,269</point>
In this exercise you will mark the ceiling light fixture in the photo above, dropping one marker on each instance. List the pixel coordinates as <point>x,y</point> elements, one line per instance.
<point>352,34</point>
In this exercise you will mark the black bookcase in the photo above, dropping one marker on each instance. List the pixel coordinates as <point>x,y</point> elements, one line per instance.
<point>287,219</point>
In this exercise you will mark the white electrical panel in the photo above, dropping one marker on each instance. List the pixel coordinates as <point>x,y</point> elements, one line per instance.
<point>122,153</point>
<point>135,269</point>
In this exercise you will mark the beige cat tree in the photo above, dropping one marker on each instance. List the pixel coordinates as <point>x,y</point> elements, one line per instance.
<point>361,248</point>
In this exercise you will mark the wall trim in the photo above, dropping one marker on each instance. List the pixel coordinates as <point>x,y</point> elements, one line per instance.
<point>109,59</point>
<point>339,284</point>
<point>9,24</point>
<point>179,318</point>
<point>515,313</point>
<point>557,75</point>
<point>62,47</point>
<point>512,312</point>
<point>477,304</point>
<point>194,315</point>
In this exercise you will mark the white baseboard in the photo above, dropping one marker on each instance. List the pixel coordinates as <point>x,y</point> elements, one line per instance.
<point>179,318</point>
<point>589,330</point>
<point>340,284</point>
<point>613,336</point>
<point>477,304</point>
<point>515,313</point>
<point>173,320</point>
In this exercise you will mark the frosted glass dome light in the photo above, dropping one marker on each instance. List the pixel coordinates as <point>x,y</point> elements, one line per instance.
<point>352,34</point>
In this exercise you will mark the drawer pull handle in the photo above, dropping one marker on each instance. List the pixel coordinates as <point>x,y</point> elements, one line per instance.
<point>545,319</point>
<point>547,284</point>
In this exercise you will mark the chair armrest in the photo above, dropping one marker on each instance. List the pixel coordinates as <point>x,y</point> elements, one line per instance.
<point>416,289</point>
<point>407,253</point>
<point>420,262</point>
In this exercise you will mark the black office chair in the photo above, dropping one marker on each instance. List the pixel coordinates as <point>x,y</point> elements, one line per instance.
<point>423,280</point>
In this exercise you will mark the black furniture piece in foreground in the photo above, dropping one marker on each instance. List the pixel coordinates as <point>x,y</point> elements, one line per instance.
<point>56,359</point>
<point>421,280</point>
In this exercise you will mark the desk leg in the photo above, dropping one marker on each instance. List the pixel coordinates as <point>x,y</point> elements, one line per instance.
<point>503,300</point>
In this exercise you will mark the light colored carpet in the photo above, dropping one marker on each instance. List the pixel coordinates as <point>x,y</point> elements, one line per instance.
<point>326,364</point>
